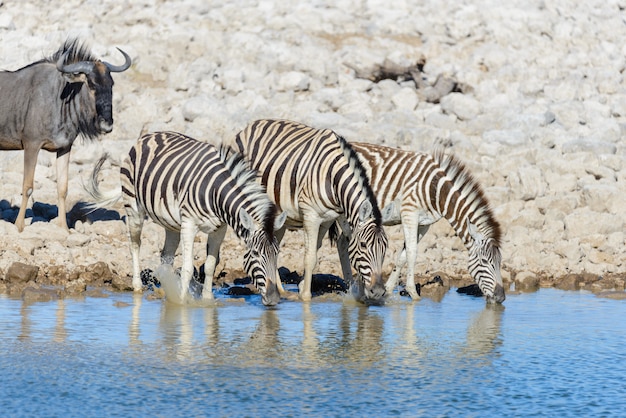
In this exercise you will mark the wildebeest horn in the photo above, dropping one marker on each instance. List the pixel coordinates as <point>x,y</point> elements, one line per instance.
<point>79,67</point>
<point>120,68</point>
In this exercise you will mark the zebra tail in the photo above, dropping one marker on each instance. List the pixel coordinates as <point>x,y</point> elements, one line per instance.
<point>333,233</point>
<point>101,199</point>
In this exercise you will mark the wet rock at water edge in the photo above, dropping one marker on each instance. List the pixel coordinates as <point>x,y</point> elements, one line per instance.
<point>22,273</point>
<point>435,288</point>
<point>526,281</point>
<point>36,294</point>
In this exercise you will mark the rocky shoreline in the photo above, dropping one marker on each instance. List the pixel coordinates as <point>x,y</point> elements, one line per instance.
<point>531,96</point>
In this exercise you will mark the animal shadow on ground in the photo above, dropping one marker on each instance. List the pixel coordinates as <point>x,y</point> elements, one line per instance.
<point>44,212</point>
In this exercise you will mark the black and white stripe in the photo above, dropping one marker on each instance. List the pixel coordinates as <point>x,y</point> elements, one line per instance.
<point>187,186</point>
<point>315,177</point>
<point>418,189</point>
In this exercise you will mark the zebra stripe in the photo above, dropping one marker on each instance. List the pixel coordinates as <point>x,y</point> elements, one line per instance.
<point>187,186</point>
<point>420,189</point>
<point>315,177</point>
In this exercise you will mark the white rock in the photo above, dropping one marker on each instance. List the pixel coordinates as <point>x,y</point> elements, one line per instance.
<point>461,105</point>
<point>293,81</point>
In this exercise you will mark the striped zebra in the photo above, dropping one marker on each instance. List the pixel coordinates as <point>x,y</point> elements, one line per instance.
<point>187,186</point>
<point>423,188</point>
<point>315,177</point>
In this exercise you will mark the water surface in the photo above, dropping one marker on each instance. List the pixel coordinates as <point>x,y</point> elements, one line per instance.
<point>549,353</point>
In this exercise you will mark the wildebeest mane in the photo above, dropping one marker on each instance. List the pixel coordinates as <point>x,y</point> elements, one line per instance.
<point>76,51</point>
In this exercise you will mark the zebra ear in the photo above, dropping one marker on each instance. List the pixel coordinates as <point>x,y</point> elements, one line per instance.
<point>365,211</point>
<point>389,213</point>
<point>280,221</point>
<point>246,220</point>
<point>473,231</point>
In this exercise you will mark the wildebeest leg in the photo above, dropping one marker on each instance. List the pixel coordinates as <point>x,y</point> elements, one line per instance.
<point>63,165</point>
<point>213,244</point>
<point>134,221</point>
<point>30,161</point>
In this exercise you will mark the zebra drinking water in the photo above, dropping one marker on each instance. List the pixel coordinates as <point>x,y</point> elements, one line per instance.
<point>186,185</point>
<point>316,178</point>
<point>423,188</point>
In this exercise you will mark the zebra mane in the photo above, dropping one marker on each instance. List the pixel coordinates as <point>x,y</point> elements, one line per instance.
<point>467,185</point>
<point>357,168</point>
<point>245,178</point>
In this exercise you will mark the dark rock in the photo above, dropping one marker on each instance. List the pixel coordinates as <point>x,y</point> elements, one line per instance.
<point>239,291</point>
<point>327,283</point>
<point>471,290</point>
<point>288,277</point>
<point>242,281</point>
<point>20,272</point>
<point>149,280</point>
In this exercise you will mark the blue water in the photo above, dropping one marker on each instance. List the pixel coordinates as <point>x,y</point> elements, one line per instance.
<point>549,353</point>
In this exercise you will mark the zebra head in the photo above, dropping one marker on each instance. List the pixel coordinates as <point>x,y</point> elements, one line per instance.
<point>260,257</point>
<point>367,248</point>
<point>484,265</point>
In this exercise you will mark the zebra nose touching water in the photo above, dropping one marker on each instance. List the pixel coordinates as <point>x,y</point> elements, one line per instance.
<point>48,103</point>
<point>187,186</point>
<point>315,177</point>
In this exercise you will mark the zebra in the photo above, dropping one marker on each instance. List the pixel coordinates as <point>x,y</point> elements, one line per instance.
<point>187,186</point>
<point>315,177</point>
<point>420,189</point>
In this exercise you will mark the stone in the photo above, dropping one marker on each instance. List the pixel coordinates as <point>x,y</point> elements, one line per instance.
<point>462,106</point>
<point>526,281</point>
<point>20,272</point>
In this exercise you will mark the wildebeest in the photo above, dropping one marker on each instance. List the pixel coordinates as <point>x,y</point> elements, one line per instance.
<point>48,103</point>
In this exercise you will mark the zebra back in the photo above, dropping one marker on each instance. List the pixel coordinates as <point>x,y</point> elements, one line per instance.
<point>173,176</point>
<point>294,159</point>
<point>438,183</point>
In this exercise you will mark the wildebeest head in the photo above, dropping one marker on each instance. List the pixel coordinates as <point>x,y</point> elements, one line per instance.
<point>79,67</point>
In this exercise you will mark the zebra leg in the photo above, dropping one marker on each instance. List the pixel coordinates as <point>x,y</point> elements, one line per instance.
<point>344,260</point>
<point>134,222</point>
<point>311,238</point>
<point>188,232</point>
<point>411,238</point>
<point>172,239</point>
<point>392,282</point>
<point>213,244</point>
<point>279,234</point>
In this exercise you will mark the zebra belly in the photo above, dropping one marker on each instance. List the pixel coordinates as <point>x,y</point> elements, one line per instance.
<point>167,217</point>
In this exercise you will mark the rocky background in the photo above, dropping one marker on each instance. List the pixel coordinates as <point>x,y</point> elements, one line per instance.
<point>529,94</point>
